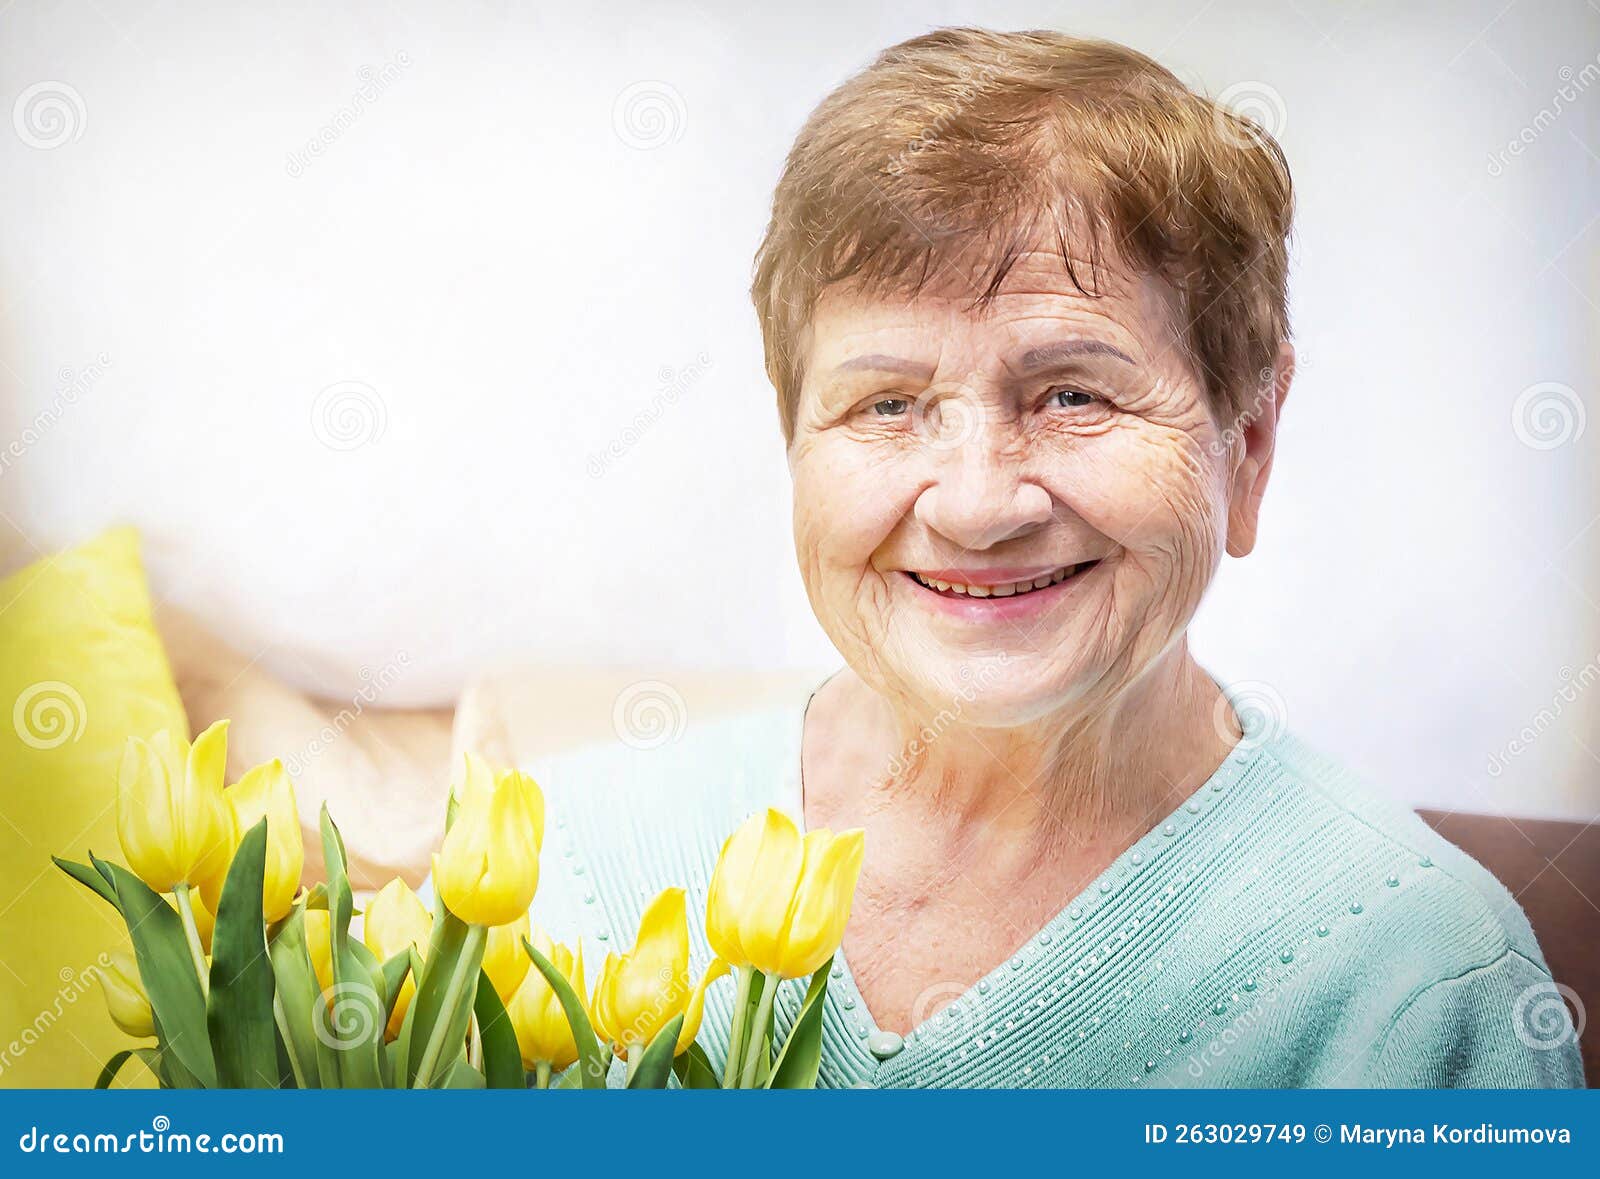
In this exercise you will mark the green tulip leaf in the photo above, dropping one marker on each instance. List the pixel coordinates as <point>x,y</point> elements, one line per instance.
<point>462,1076</point>
<point>502,1058</point>
<point>693,1069</point>
<point>591,1065</point>
<point>442,1007</point>
<point>297,998</point>
<point>394,977</point>
<point>655,1066</point>
<point>801,1057</point>
<point>161,949</point>
<point>169,1072</point>
<point>356,1019</point>
<point>90,879</point>
<point>572,1078</point>
<point>239,1009</point>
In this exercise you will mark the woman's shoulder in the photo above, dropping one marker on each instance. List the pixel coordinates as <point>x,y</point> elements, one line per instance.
<point>1440,980</point>
<point>1442,883</point>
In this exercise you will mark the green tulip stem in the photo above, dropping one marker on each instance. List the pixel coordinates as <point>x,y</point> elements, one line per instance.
<point>469,962</point>
<point>191,931</point>
<point>635,1056</point>
<point>541,1075</point>
<point>753,1050</point>
<point>736,1034</point>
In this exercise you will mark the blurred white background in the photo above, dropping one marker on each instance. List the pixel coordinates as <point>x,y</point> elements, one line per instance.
<point>423,328</point>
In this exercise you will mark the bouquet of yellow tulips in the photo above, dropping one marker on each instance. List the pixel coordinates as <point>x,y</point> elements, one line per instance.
<point>245,979</point>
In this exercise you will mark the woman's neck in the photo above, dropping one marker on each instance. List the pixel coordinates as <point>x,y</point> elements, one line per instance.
<point>1017,797</point>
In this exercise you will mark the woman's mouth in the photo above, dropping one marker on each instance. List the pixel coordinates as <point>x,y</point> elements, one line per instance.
<point>992,587</point>
<point>996,595</point>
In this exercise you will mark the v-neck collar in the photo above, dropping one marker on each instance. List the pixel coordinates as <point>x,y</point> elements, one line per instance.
<point>873,1057</point>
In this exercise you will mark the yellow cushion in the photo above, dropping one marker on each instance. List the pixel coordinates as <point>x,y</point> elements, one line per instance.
<point>81,668</point>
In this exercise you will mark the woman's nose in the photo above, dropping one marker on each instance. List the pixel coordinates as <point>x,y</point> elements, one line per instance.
<point>980,499</point>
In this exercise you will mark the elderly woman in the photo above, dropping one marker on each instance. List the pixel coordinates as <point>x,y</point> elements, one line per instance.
<point>1023,299</point>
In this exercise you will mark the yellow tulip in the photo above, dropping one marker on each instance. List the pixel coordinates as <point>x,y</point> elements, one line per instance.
<point>394,920</point>
<point>488,868</point>
<point>543,1034</point>
<point>265,791</point>
<point>504,960</point>
<point>125,997</point>
<point>172,819</point>
<point>779,902</point>
<point>641,991</point>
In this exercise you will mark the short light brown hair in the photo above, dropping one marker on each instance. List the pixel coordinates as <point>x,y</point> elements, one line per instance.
<point>970,147</point>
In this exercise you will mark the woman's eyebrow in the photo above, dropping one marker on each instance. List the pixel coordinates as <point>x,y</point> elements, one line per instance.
<point>882,363</point>
<point>1046,355</point>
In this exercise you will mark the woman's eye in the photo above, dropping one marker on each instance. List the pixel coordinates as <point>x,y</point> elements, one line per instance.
<point>1068,398</point>
<point>891,407</point>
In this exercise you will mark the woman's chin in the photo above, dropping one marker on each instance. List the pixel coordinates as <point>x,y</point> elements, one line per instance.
<point>997,690</point>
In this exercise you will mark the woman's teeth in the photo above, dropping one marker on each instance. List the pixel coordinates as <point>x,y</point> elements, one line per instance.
<point>1008,589</point>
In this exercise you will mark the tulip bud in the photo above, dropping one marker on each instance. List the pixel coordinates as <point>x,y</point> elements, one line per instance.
<point>125,997</point>
<point>543,1033</point>
<point>265,791</point>
<point>394,920</point>
<point>173,822</point>
<point>641,991</point>
<point>488,868</point>
<point>779,902</point>
<point>504,960</point>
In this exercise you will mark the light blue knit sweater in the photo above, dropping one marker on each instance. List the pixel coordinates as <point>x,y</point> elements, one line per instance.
<point>1282,927</point>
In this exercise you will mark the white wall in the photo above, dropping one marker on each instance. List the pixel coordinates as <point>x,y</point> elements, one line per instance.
<point>526,239</point>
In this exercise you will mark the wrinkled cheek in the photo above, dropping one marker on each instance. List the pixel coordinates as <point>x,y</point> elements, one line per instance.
<point>843,512</point>
<point>1161,500</point>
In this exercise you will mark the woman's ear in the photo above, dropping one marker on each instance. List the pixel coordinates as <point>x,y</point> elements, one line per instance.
<point>1257,429</point>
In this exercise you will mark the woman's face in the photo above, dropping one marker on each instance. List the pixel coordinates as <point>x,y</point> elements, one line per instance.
<point>1015,509</point>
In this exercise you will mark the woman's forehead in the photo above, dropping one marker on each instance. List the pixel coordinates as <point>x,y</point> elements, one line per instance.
<point>1038,307</point>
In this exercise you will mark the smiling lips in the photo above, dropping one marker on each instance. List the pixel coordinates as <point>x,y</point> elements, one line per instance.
<point>998,583</point>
